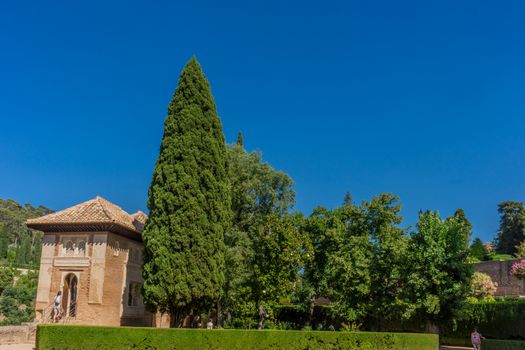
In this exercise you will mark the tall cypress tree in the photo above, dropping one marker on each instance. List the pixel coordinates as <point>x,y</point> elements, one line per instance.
<point>190,204</point>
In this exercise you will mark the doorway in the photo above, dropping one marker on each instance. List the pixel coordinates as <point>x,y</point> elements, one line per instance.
<point>70,295</point>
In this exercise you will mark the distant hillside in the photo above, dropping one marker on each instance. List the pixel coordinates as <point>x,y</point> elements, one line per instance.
<point>19,245</point>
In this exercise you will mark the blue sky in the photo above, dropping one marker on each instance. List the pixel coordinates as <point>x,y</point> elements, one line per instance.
<point>424,99</point>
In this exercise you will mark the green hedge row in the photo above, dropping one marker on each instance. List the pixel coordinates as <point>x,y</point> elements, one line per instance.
<point>504,319</point>
<point>85,337</point>
<point>488,344</point>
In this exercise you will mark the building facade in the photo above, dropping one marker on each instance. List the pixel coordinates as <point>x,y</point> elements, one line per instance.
<point>92,254</point>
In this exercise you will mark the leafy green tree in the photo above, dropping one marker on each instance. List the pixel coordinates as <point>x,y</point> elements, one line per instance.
<point>389,245</point>
<point>325,229</point>
<point>258,191</point>
<point>479,251</point>
<point>364,276</point>
<point>279,250</point>
<point>512,227</point>
<point>4,243</point>
<point>16,300</point>
<point>438,270</point>
<point>190,204</point>
<point>7,276</point>
<point>460,215</point>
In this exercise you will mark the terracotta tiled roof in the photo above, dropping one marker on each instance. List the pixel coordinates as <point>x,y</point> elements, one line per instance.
<point>95,211</point>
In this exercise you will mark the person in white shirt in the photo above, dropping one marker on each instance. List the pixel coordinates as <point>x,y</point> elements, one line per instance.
<point>209,324</point>
<point>57,307</point>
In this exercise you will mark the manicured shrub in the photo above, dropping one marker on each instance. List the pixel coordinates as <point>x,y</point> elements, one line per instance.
<point>502,319</point>
<point>61,337</point>
<point>487,344</point>
<point>492,344</point>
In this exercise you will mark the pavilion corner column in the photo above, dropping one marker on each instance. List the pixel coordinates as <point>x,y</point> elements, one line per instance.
<point>98,262</point>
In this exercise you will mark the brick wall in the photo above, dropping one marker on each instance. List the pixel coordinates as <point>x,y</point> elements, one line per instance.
<point>499,271</point>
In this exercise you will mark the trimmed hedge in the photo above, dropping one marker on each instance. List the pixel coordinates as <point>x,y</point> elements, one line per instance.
<point>487,344</point>
<point>61,337</point>
<point>502,319</point>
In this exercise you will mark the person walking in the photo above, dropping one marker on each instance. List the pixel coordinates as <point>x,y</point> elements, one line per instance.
<point>476,338</point>
<point>57,307</point>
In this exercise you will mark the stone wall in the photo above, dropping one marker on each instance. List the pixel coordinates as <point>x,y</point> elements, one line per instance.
<point>24,334</point>
<point>499,271</point>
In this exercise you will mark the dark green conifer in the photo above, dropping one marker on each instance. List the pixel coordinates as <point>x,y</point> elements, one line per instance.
<point>512,227</point>
<point>189,202</point>
<point>239,139</point>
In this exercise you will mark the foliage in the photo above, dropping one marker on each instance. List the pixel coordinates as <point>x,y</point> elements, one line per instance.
<point>16,300</point>
<point>79,337</point>
<point>500,319</point>
<point>479,251</point>
<point>279,252</point>
<point>520,251</point>
<point>19,244</point>
<point>189,202</point>
<point>438,272</point>
<point>518,269</point>
<point>259,194</point>
<point>482,286</point>
<point>7,277</point>
<point>487,344</point>
<point>512,227</point>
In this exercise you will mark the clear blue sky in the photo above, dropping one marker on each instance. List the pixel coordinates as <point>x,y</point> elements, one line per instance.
<point>424,99</point>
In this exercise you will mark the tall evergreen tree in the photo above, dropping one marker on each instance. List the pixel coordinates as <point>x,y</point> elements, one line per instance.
<point>240,141</point>
<point>190,204</point>
<point>478,250</point>
<point>512,227</point>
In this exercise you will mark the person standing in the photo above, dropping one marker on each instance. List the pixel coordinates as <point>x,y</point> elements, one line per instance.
<point>476,338</point>
<point>57,307</point>
<point>209,324</point>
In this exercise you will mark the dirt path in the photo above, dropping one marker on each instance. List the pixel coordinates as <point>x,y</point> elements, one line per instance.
<point>17,347</point>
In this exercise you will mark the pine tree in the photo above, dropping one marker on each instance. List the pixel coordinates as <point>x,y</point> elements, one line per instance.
<point>348,201</point>
<point>512,227</point>
<point>478,250</point>
<point>240,141</point>
<point>190,204</point>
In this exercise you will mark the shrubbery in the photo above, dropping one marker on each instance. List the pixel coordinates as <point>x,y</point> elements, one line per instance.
<point>86,338</point>
<point>501,319</point>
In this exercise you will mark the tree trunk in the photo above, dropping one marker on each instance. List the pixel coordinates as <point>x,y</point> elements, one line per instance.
<point>431,327</point>
<point>219,314</point>
<point>262,316</point>
<point>310,312</point>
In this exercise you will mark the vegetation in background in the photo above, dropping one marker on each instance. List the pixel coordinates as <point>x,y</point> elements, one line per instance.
<point>478,251</point>
<point>189,203</point>
<point>438,270</point>
<point>520,251</point>
<point>482,286</point>
<point>114,338</point>
<point>17,295</point>
<point>264,248</point>
<point>19,245</point>
<point>496,319</point>
<point>511,232</point>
